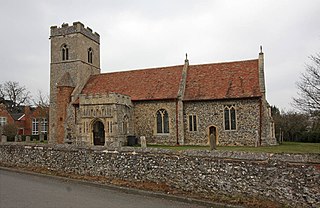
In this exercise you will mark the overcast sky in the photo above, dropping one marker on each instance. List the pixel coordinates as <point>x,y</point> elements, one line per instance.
<point>144,34</point>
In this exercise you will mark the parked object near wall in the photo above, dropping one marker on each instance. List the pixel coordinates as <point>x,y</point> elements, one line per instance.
<point>289,179</point>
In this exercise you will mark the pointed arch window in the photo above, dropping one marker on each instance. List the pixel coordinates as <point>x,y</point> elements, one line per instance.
<point>162,122</point>
<point>65,52</point>
<point>125,124</point>
<point>90,52</point>
<point>230,121</point>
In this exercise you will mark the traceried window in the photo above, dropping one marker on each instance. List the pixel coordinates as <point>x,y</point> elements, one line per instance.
<point>3,121</point>
<point>125,124</point>
<point>193,123</point>
<point>35,126</point>
<point>44,126</point>
<point>90,55</point>
<point>162,122</point>
<point>65,52</point>
<point>230,121</point>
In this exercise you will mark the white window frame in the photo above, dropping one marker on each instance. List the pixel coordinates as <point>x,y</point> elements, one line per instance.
<point>35,126</point>
<point>44,125</point>
<point>3,121</point>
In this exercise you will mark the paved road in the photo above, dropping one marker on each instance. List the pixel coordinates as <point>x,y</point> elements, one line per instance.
<point>32,191</point>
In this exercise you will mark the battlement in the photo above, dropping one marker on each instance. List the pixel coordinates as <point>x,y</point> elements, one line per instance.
<point>76,27</point>
<point>110,98</point>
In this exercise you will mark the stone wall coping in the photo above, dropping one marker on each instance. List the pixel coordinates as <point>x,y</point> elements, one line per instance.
<point>312,158</point>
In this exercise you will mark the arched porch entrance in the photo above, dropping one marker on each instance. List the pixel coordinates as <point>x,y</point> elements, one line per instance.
<point>98,133</point>
<point>213,131</point>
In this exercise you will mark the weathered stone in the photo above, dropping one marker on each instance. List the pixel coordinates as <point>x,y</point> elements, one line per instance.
<point>27,138</point>
<point>143,141</point>
<point>41,137</point>
<point>3,138</point>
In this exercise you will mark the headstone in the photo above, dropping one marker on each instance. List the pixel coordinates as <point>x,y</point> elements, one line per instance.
<point>143,141</point>
<point>16,138</point>
<point>19,138</point>
<point>27,138</point>
<point>3,138</point>
<point>41,136</point>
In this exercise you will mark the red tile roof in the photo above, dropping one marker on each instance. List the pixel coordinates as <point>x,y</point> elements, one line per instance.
<point>146,84</point>
<point>204,82</point>
<point>223,80</point>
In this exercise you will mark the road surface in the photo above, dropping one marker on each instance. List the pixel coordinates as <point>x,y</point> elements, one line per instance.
<point>32,191</point>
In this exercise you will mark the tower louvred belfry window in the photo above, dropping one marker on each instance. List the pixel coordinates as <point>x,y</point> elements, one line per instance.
<point>90,55</point>
<point>65,52</point>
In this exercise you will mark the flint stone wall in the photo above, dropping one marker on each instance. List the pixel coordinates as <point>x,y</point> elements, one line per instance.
<point>292,179</point>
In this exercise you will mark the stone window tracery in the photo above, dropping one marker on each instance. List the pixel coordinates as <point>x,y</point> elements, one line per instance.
<point>230,121</point>
<point>162,121</point>
<point>65,52</point>
<point>193,123</point>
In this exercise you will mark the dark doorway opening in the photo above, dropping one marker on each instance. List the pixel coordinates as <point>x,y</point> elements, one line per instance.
<point>98,133</point>
<point>213,131</point>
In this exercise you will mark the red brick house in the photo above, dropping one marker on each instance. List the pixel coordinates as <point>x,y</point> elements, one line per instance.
<point>28,120</point>
<point>5,116</point>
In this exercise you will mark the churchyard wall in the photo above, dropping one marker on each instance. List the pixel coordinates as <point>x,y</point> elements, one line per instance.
<point>291,179</point>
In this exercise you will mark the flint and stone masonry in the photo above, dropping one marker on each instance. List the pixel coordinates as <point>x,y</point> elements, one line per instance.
<point>90,108</point>
<point>288,179</point>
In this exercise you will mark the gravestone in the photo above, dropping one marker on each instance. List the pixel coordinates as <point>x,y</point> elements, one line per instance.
<point>3,138</point>
<point>19,138</point>
<point>28,139</point>
<point>41,137</point>
<point>143,141</point>
<point>16,138</point>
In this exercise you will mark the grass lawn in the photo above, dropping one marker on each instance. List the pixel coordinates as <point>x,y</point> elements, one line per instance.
<point>286,147</point>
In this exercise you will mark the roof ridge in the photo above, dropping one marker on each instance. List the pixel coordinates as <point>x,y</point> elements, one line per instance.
<point>226,62</point>
<point>130,70</point>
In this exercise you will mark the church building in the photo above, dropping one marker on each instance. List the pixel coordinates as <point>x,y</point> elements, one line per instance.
<point>181,104</point>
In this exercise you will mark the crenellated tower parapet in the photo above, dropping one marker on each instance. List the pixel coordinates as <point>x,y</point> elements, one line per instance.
<point>76,27</point>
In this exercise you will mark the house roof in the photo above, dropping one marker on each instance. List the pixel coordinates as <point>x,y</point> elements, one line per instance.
<point>146,84</point>
<point>223,80</point>
<point>204,82</point>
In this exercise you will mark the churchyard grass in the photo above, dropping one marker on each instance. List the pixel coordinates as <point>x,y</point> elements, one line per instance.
<point>285,147</point>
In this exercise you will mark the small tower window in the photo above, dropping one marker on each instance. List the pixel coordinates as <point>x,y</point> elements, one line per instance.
<point>90,55</point>
<point>65,52</point>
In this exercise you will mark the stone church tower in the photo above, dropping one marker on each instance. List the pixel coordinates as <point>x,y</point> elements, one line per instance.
<point>75,56</point>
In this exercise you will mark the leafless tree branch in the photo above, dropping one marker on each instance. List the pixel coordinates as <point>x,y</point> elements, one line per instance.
<point>308,98</point>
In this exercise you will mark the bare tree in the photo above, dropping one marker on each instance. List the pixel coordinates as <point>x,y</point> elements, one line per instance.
<point>15,93</point>
<point>308,99</point>
<point>42,100</point>
<point>1,91</point>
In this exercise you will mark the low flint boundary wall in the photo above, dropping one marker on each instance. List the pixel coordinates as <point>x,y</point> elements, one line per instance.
<point>290,179</point>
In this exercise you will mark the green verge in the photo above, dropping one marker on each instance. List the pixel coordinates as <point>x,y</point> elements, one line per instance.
<point>286,147</point>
